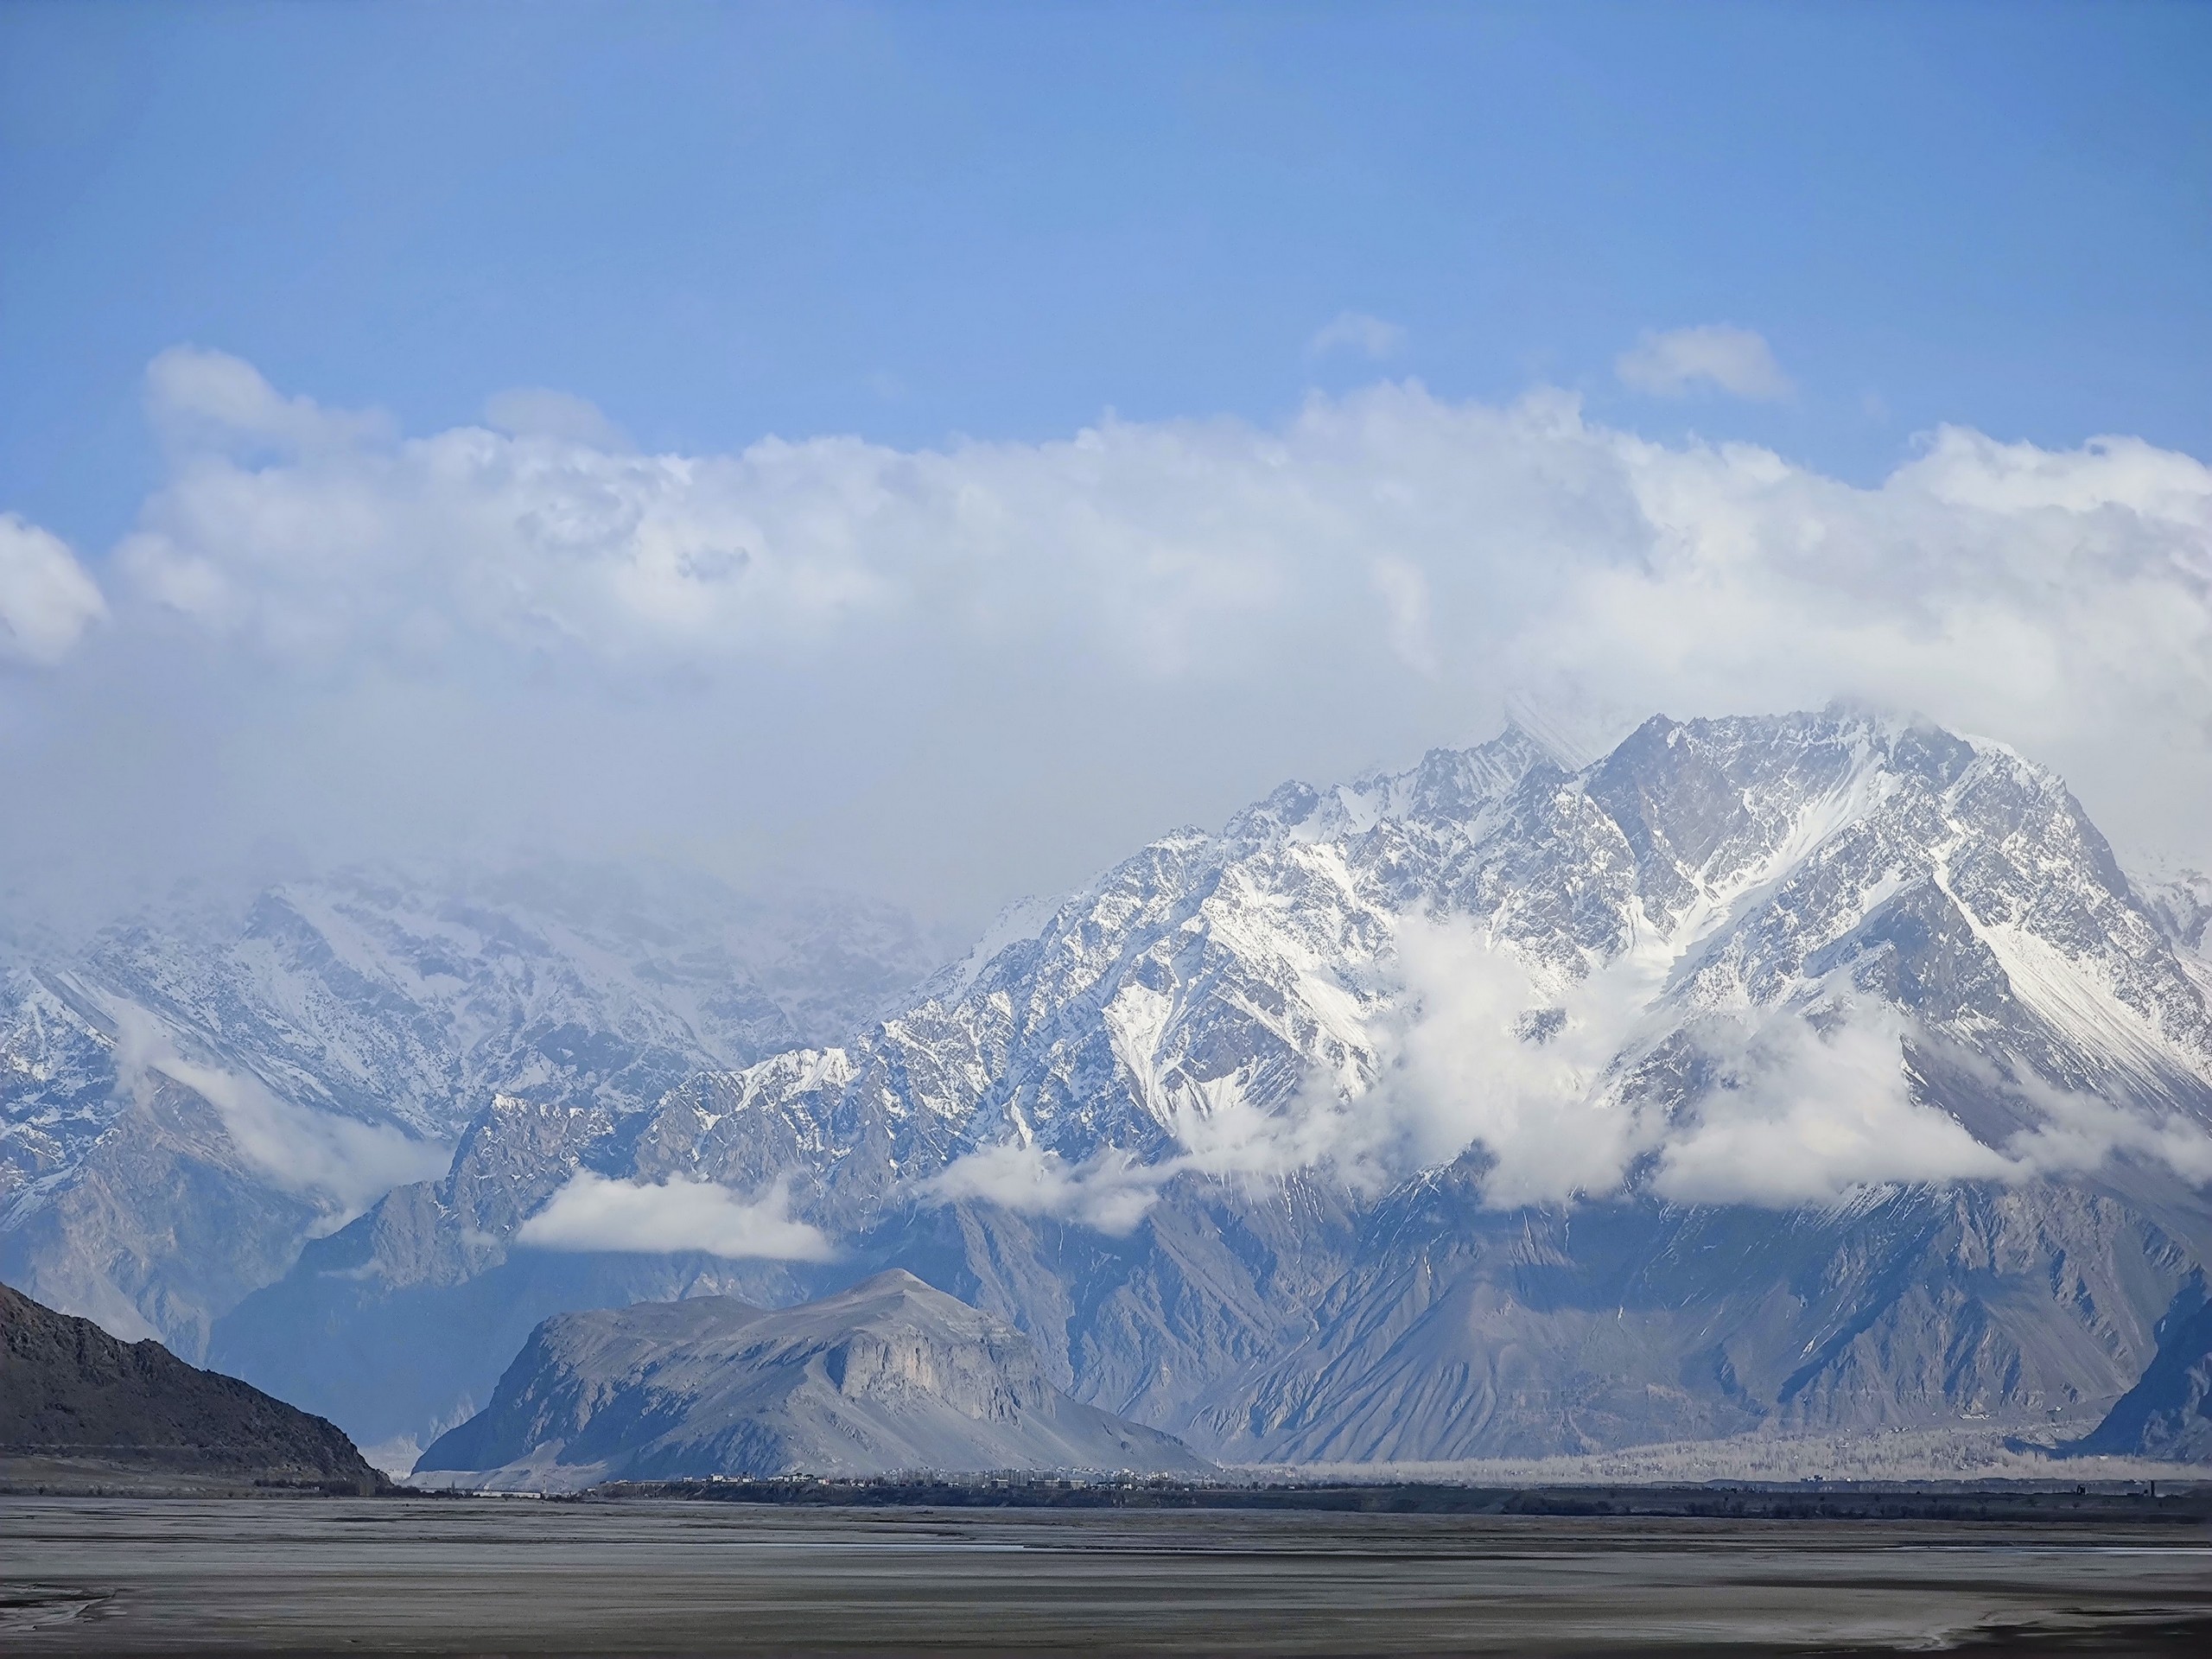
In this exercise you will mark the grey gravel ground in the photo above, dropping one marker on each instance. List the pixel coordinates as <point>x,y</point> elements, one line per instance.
<point>129,1575</point>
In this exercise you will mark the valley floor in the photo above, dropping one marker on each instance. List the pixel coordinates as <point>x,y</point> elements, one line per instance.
<point>517,1576</point>
<point>1897,1455</point>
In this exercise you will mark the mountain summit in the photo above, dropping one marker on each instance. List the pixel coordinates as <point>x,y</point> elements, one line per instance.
<point>1821,1071</point>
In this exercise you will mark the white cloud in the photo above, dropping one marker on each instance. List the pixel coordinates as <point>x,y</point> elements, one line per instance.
<point>1681,360</point>
<point>1404,590</point>
<point>1359,333</point>
<point>593,1213</point>
<point>1007,662</point>
<point>1803,1113</point>
<point>205,403</point>
<point>1223,1137</point>
<point>47,602</point>
<point>1109,1193</point>
<point>1798,1107</point>
<point>2081,1133</point>
<point>2073,1134</point>
<point>1481,1051</point>
<point>351,540</point>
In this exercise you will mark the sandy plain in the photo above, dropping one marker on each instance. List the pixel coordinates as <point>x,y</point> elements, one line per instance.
<point>512,1576</point>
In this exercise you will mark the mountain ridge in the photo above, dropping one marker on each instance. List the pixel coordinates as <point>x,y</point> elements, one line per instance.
<point>288,1056</point>
<point>1400,1079</point>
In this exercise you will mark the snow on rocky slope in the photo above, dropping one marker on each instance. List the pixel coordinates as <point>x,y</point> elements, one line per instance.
<point>191,1094</point>
<point>1814,1070</point>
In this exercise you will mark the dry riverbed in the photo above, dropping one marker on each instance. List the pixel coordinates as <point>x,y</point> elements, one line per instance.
<point>406,1575</point>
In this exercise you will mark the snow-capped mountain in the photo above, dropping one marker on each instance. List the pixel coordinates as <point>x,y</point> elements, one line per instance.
<point>1823,1069</point>
<point>192,1093</point>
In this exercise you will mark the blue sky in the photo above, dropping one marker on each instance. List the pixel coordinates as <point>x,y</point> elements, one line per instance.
<point>1416,324</point>
<point>906,222</point>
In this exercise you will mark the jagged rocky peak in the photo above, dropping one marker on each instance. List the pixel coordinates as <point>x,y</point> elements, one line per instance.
<point>887,1375</point>
<point>1765,854</point>
<point>1448,787</point>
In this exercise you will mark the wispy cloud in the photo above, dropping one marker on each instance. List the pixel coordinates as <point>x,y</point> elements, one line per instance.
<point>1681,361</point>
<point>1806,1114</point>
<point>542,412</point>
<point>1359,333</point>
<point>1109,1193</point>
<point>341,1162</point>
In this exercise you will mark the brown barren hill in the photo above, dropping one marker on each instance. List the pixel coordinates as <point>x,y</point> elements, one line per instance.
<point>79,1405</point>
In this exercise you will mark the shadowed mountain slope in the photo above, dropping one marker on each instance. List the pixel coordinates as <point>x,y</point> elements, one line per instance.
<point>72,1394</point>
<point>2169,1413</point>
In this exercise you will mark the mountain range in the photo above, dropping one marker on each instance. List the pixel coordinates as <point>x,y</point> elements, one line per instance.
<point>189,1095</point>
<point>1819,1072</point>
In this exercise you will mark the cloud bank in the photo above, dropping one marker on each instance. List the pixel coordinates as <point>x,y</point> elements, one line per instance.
<point>593,1213</point>
<point>960,673</point>
<point>1793,1104</point>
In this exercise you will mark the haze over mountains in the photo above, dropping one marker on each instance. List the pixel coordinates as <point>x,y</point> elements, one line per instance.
<point>193,1092</point>
<point>1811,1072</point>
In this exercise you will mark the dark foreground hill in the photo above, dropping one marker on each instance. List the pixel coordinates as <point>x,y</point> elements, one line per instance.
<point>77,1406</point>
<point>886,1376</point>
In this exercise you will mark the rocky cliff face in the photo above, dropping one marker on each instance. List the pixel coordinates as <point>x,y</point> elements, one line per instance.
<point>74,1399</point>
<point>888,1375</point>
